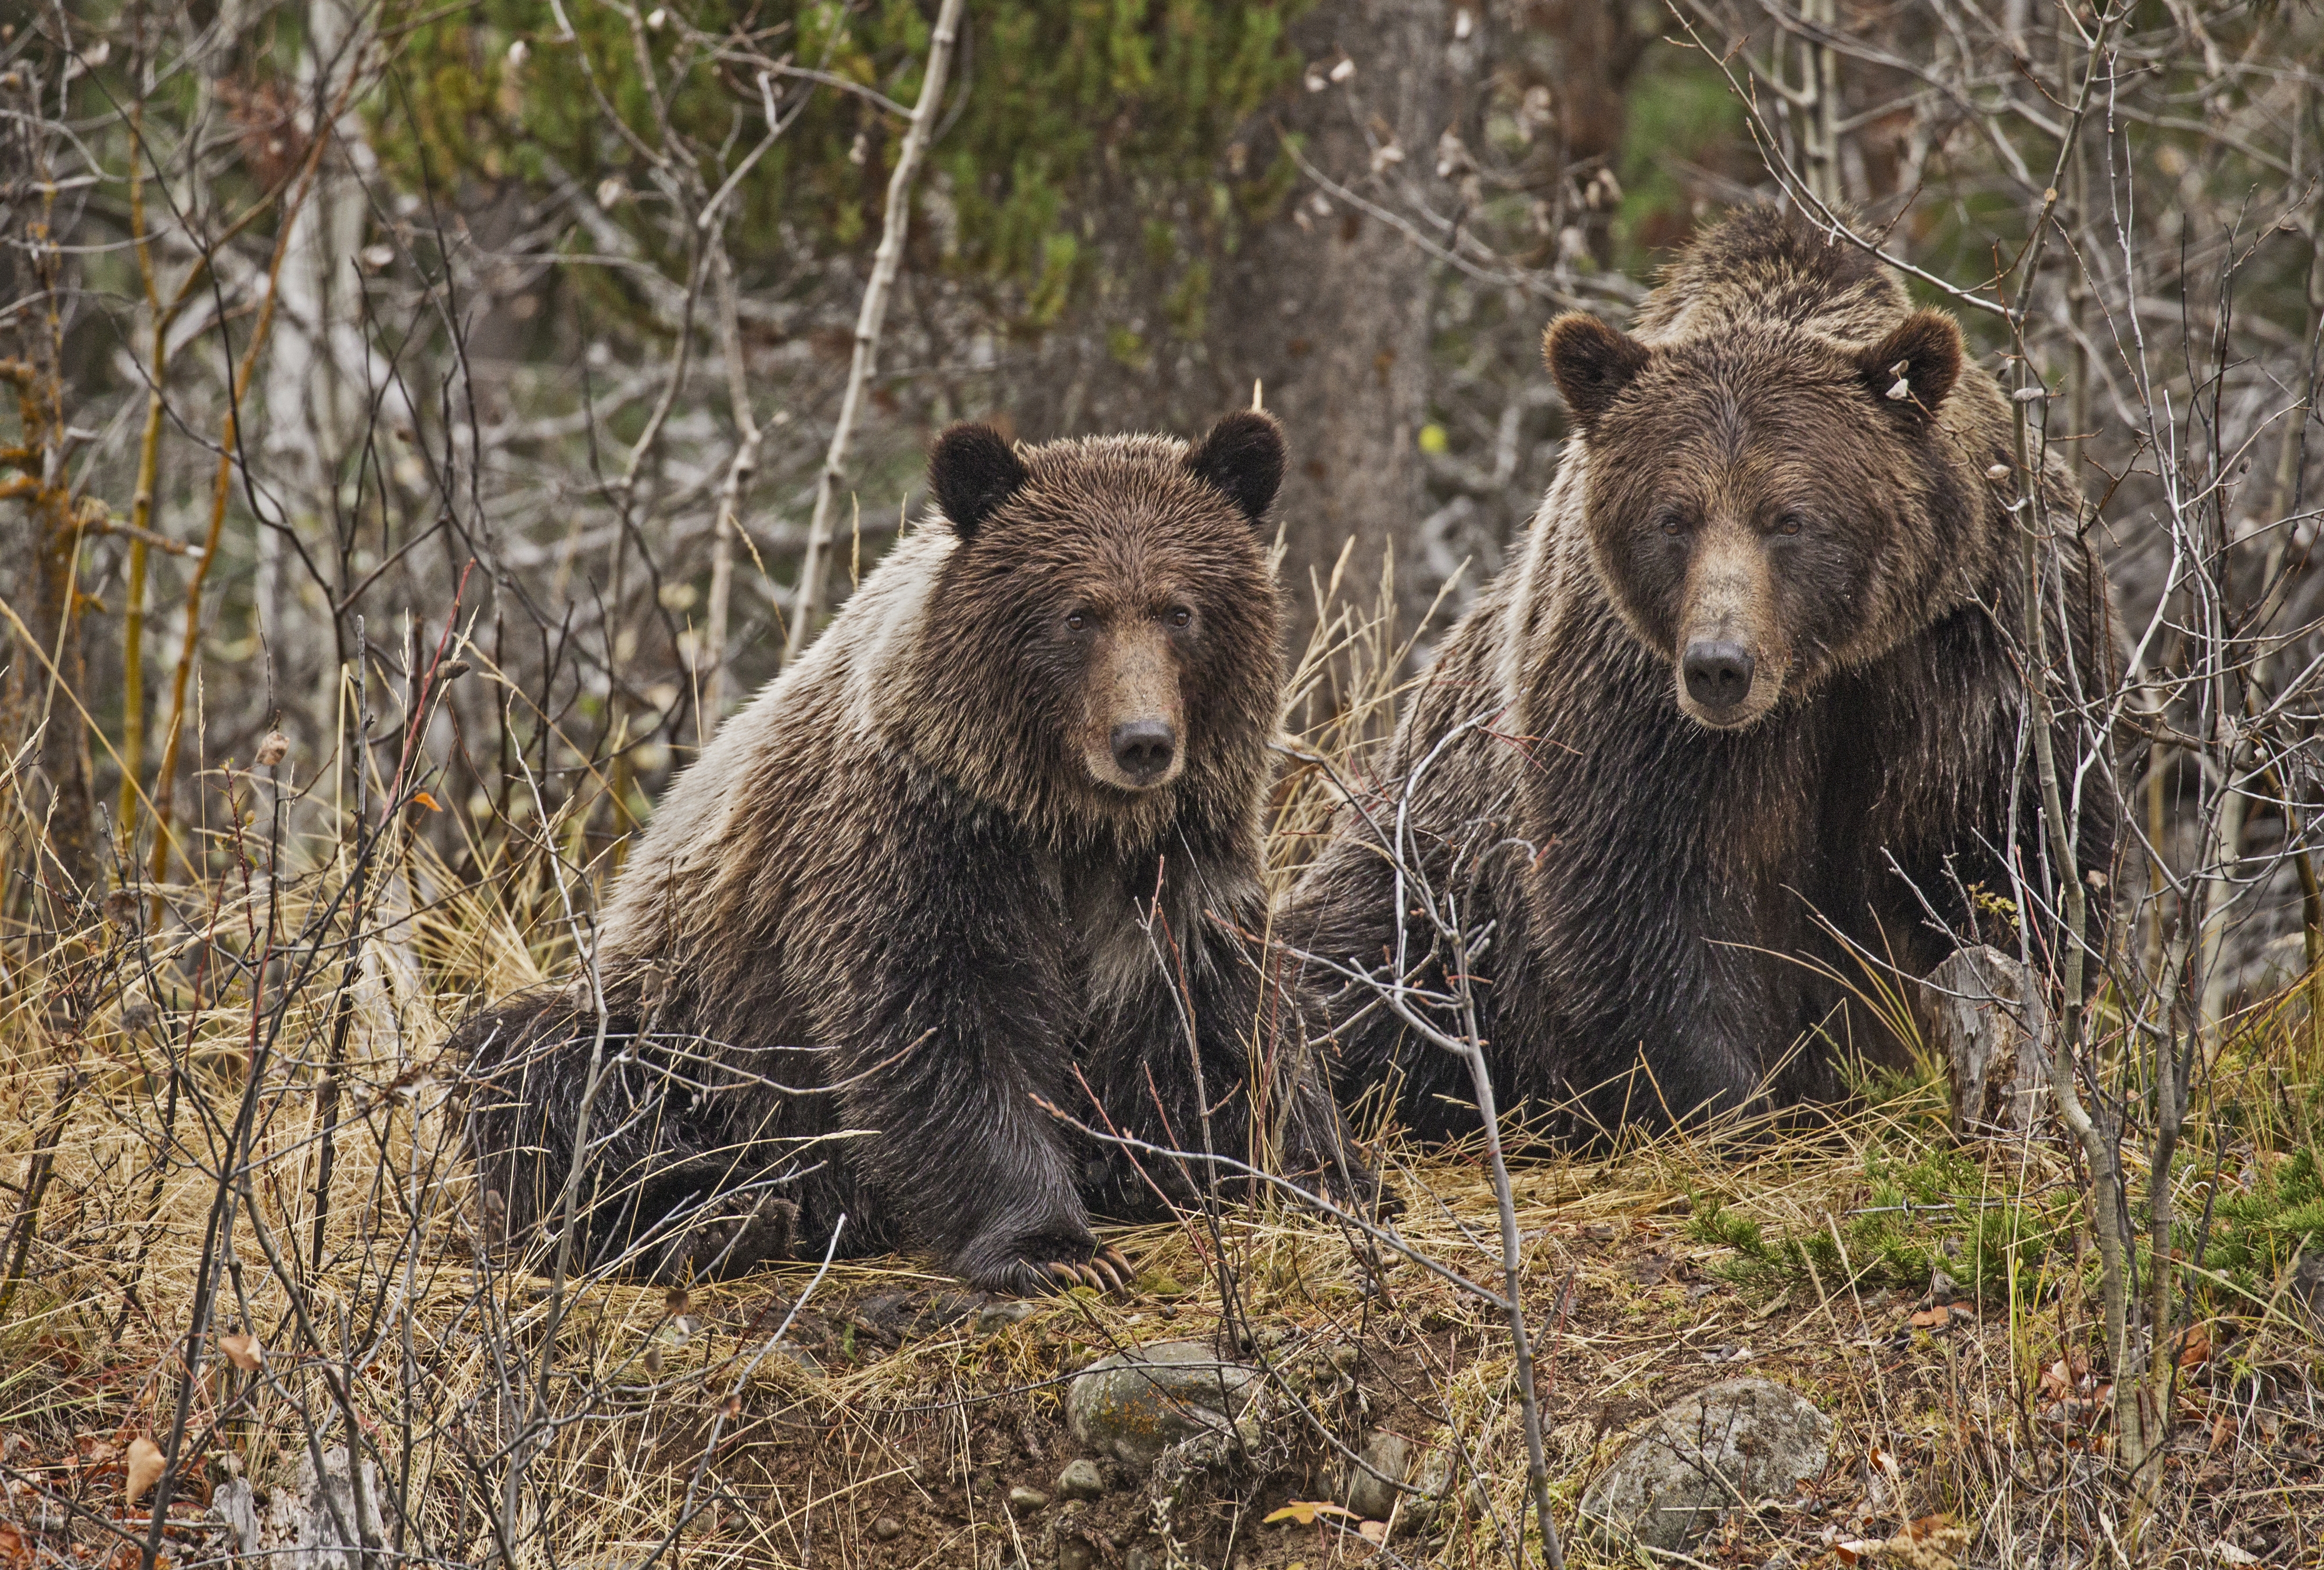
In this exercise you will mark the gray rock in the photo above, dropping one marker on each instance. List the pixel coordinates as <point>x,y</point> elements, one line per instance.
<point>1134,1405</point>
<point>1389,1454</point>
<point>1081,1480</point>
<point>995,1317</point>
<point>1730,1444</point>
<point>1140,1559</point>
<point>886,1529</point>
<point>1438,1501</point>
<point>1076,1553</point>
<point>1022,1499</point>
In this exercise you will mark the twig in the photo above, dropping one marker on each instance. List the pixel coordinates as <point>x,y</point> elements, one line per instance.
<point>814,563</point>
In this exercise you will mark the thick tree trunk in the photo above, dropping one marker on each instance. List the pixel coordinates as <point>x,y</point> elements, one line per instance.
<point>1325,306</point>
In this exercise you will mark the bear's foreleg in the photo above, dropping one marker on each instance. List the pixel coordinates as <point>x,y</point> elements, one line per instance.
<point>954,1034</point>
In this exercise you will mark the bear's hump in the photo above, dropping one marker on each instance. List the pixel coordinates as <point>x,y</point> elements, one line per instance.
<point>1773,265</point>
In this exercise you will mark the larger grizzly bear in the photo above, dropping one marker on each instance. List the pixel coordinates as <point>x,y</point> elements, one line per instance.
<point>995,837</point>
<point>1754,682</point>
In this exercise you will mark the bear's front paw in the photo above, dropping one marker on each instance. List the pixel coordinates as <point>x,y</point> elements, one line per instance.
<point>1037,1272</point>
<point>730,1245</point>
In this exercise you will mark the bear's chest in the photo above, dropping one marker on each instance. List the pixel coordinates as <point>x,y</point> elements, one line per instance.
<point>1115,934</point>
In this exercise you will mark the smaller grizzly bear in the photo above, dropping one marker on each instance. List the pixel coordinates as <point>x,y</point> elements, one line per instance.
<point>1743,724</point>
<point>993,842</point>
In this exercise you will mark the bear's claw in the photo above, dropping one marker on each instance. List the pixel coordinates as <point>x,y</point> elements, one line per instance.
<point>1107,1270</point>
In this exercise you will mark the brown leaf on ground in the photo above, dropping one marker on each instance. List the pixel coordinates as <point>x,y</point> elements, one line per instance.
<point>243,1351</point>
<point>145,1468</point>
<point>1306,1510</point>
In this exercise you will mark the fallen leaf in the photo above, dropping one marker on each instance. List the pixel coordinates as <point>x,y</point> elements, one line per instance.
<point>1374,1531</point>
<point>421,799</point>
<point>2227,1553</point>
<point>1856,1549</point>
<point>243,1351</point>
<point>13,1549</point>
<point>1306,1510</point>
<point>2221,1427</point>
<point>1933,1318</point>
<point>2195,1345</point>
<point>2057,1381</point>
<point>145,1467</point>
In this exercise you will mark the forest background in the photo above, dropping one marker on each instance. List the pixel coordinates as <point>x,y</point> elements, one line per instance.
<point>431,418</point>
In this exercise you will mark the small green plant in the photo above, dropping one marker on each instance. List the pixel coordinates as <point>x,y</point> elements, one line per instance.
<point>2255,1234</point>
<point>1921,1211</point>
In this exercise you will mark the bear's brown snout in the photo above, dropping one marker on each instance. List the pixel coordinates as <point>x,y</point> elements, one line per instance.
<point>1133,740</point>
<point>1732,656</point>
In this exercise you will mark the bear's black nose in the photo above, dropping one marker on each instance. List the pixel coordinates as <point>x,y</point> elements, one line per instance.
<point>1144,748</point>
<point>1718,674</point>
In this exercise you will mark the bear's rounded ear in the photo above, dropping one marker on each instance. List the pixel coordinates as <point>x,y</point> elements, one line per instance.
<point>1591,362</point>
<point>1914,366</point>
<point>1242,455</point>
<point>973,470</point>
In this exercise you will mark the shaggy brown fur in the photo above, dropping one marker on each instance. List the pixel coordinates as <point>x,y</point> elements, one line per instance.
<point>1753,674</point>
<point>995,837</point>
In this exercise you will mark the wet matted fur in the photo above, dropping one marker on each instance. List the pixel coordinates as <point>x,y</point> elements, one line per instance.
<point>1754,673</point>
<point>995,837</point>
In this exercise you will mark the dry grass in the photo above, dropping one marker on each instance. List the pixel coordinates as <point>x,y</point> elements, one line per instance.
<point>683,1431</point>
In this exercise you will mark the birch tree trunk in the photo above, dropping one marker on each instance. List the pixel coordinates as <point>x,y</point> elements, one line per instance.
<point>315,375</point>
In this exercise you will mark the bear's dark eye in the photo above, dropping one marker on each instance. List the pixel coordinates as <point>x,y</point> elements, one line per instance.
<point>1180,615</point>
<point>1672,522</point>
<point>1076,620</point>
<point>1790,523</point>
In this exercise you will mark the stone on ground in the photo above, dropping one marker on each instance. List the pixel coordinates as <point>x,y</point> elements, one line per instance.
<point>1134,1405</point>
<point>1728,1445</point>
<point>1081,1480</point>
<point>1389,1456</point>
